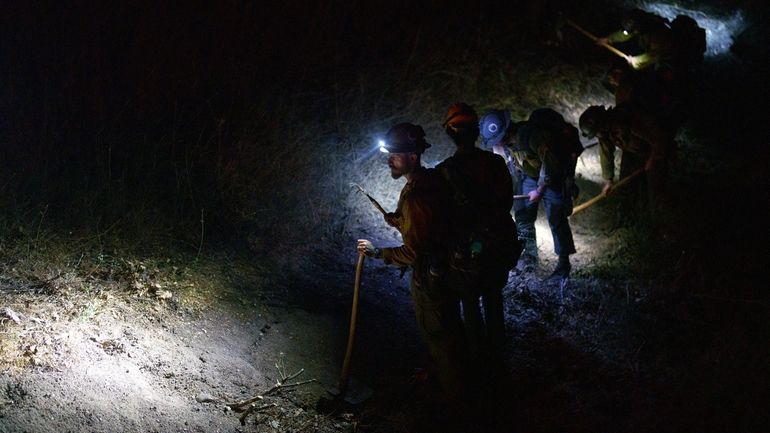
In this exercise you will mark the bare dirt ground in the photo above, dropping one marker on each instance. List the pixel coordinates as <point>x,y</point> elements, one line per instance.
<point>163,344</point>
<point>157,359</point>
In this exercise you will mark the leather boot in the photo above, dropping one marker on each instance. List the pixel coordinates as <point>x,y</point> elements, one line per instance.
<point>563,268</point>
<point>528,259</point>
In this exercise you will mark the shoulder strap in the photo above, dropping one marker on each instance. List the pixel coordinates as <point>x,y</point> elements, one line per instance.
<point>469,195</point>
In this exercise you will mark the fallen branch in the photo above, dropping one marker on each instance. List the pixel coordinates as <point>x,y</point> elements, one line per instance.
<point>238,405</point>
<point>249,406</point>
<point>254,408</point>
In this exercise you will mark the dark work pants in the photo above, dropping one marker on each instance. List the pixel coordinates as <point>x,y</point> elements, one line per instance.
<point>557,209</point>
<point>485,322</point>
<point>654,182</point>
<point>438,318</point>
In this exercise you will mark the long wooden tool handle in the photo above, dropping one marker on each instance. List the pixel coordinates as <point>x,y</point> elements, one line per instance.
<point>371,199</point>
<point>376,204</point>
<point>520,196</point>
<point>589,203</point>
<point>602,196</point>
<point>345,375</point>
<point>590,36</point>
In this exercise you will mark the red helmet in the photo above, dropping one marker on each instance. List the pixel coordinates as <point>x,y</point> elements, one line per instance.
<point>461,116</point>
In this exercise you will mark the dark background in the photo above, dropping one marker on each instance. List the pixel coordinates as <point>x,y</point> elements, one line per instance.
<point>107,108</point>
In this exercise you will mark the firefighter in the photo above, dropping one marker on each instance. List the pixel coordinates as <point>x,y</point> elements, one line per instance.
<point>423,216</point>
<point>486,246</point>
<point>657,78</point>
<point>652,36</point>
<point>544,149</point>
<point>644,140</point>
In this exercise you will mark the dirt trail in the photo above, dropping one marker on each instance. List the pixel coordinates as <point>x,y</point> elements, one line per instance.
<point>144,365</point>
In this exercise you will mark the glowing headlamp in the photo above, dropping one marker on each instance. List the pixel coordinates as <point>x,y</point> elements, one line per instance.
<point>381,143</point>
<point>625,32</point>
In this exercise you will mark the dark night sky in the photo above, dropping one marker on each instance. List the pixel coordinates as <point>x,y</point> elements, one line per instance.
<point>91,87</point>
<point>82,63</point>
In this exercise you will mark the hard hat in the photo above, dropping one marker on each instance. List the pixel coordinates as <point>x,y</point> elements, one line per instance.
<point>590,120</point>
<point>461,116</point>
<point>404,138</point>
<point>492,126</point>
<point>637,20</point>
<point>632,19</point>
<point>628,24</point>
<point>518,133</point>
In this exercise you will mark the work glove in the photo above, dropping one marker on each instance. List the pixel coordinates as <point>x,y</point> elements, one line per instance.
<point>368,249</point>
<point>535,195</point>
<point>634,62</point>
<point>607,187</point>
<point>391,219</point>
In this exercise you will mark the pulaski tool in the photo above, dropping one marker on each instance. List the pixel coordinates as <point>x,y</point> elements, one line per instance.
<point>371,199</point>
<point>348,388</point>
<point>379,208</point>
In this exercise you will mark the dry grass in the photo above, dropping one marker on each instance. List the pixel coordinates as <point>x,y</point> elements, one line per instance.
<point>59,287</point>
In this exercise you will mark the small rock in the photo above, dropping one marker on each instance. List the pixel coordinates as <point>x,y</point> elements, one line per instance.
<point>206,398</point>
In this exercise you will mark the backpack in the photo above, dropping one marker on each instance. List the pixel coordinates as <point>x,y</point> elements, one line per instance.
<point>567,143</point>
<point>691,39</point>
<point>488,238</point>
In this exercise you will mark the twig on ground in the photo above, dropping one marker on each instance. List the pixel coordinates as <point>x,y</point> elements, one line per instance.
<point>254,408</point>
<point>282,383</point>
<point>43,283</point>
<point>36,287</point>
<point>248,406</point>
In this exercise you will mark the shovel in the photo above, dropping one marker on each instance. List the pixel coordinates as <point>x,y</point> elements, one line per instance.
<point>348,388</point>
